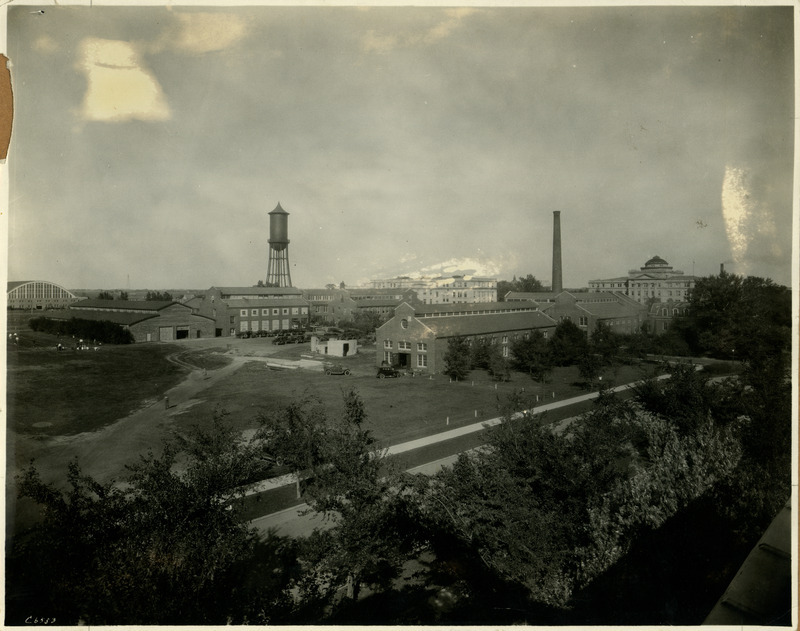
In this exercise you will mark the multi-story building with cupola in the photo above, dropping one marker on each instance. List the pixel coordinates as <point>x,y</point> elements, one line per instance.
<point>656,281</point>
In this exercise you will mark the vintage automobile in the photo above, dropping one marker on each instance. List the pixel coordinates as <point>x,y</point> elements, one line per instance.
<point>387,371</point>
<point>336,369</point>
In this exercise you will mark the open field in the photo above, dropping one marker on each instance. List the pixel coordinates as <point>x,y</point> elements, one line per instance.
<point>105,407</point>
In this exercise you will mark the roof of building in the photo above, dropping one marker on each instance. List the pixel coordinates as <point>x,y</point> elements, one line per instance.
<point>761,591</point>
<point>258,291</point>
<point>536,296</point>
<point>485,324</point>
<point>130,305</point>
<point>125,318</point>
<point>421,310</point>
<point>278,209</point>
<point>656,261</point>
<point>618,279</point>
<point>13,284</point>
<point>366,303</point>
<point>267,302</point>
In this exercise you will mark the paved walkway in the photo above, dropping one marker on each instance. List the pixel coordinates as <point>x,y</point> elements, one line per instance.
<point>393,450</point>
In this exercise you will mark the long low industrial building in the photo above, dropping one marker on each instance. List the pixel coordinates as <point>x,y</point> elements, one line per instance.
<point>417,337</point>
<point>147,320</point>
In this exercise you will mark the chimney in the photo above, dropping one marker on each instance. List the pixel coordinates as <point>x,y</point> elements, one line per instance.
<point>557,286</point>
<point>721,269</point>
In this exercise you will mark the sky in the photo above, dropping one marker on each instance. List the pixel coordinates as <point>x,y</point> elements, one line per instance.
<point>150,143</point>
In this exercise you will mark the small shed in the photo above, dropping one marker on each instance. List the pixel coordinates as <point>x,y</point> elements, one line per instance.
<point>335,348</point>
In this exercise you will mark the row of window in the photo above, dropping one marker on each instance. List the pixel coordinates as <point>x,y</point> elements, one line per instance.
<point>275,311</point>
<point>422,347</point>
<point>422,360</point>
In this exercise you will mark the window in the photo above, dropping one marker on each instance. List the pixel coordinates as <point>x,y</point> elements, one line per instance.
<point>303,310</point>
<point>243,313</point>
<point>505,339</point>
<point>286,311</point>
<point>295,311</point>
<point>387,343</point>
<point>243,325</point>
<point>276,311</point>
<point>505,351</point>
<point>584,320</point>
<point>422,347</point>
<point>404,323</point>
<point>422,361</point>
<point>264,312</point>
<point>387,357</point>
<point>254,312</point>
<point>544,334</point>
<point>233,319</point>
<point>404,346</point>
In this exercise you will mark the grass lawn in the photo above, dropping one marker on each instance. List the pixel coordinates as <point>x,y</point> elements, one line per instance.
<point>52,393</point>
<point>398,410</point>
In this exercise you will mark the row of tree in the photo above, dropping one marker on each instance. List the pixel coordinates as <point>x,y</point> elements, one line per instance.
<point>102,331</point>
<point>123,295</point>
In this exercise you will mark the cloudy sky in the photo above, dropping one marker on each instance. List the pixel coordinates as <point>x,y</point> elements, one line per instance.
<point>151,142</point>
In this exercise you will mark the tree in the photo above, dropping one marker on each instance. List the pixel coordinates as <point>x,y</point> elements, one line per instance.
<point>158,296</point>
<point>363,497</point>
<point>567,344</point>
<point>166,547</point>
<point>458,358</point>
<point>527,284</point>
<point>532,354</point>
<point>551,509</point>
<point>123,295</point>
<point>105,295</point>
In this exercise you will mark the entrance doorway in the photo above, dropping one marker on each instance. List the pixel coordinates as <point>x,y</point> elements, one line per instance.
<point>404,360</point>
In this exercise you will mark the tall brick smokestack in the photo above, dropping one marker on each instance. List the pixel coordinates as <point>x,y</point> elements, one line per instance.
<point>557,285</point>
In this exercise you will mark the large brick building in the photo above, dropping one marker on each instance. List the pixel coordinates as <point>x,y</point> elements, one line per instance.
<point>147,320</point>
<point>617,311</point>
<point>336,305</point>
<point>656,281</point>
<point>416,338</point>
<point>237,310</point>
<point>444,289</point>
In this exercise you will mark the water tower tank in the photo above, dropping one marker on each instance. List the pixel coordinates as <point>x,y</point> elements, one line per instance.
<point>278,228</point>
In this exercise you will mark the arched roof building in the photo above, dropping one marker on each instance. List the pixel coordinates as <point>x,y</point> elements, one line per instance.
<point>39,294</point>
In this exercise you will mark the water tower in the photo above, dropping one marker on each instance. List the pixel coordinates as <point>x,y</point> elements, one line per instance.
<point>278,267</point>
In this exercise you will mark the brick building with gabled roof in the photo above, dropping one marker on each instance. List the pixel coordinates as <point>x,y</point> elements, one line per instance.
<point>416,338</point>
<point>147,320</point>
<point>237,310</point>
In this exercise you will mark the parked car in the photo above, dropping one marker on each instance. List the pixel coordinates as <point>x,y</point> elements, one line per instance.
<point>387,371</point>
<point>337,369</point>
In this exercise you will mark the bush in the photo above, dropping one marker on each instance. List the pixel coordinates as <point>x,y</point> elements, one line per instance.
<point>100,330</point>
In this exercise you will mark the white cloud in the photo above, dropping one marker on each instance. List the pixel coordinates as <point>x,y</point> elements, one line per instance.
<point>120,87</point>
<point>45,44</point>
<point>199,33</point>
<point>377,42</point>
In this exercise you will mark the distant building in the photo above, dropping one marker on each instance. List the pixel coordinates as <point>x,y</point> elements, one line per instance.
<point>416,337</point>
<point>660,314</point>
<point>39,295</point>
<point>444,289</point>
<point>246,309</point>
<point>656,281</point>
<point>147,320</point>
<point>617,311</point>
<point>335,305</point>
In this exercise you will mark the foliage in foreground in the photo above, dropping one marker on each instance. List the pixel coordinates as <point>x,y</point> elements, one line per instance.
<point>165,547</point>
<point>370,524</point>
<point>552,510</point>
